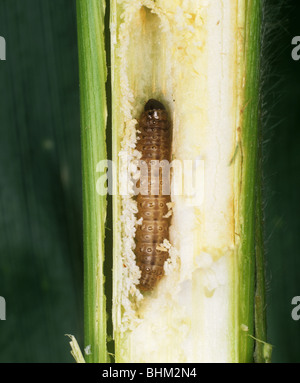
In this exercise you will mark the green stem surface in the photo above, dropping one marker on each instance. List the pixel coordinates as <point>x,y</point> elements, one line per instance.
<point>92,70</point>
<point>249,180</point>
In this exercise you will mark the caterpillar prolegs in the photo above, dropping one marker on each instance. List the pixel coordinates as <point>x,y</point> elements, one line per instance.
<point>154,143</point>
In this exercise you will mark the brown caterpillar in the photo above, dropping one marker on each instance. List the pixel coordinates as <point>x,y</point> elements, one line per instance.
<point>154,142</point>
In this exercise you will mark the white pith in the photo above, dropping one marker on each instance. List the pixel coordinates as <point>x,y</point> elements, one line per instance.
<point>185,54</point>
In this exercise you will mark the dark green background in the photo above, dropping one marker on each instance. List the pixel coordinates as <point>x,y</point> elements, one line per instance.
<point>40,181</point>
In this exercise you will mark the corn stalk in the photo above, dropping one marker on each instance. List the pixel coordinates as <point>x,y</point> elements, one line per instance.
<point>93,124</point>
<point>202,60</point>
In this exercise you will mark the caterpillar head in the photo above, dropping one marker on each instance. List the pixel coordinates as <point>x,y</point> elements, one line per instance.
<point>154,105</point>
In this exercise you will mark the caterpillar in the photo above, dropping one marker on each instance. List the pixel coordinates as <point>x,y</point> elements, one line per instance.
<point>154,143</point>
